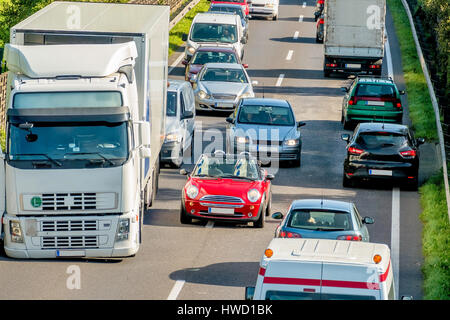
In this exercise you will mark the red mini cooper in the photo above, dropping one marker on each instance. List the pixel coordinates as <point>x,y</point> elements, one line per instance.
<point>227,187</point>
<point>243,3</point>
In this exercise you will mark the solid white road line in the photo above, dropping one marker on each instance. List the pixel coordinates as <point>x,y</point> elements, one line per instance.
<point>280,80</point>
<point>395,236</point>
<point>289,55</point>
<point>176,290</point>
<point>300,19</point>
<point>175,63</point>
<point>296,34</point>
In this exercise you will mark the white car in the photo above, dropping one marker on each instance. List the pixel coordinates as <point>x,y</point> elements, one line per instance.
<point>214,29</point>
<point>264,8</point>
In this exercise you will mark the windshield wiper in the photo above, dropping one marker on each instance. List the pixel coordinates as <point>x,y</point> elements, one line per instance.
<point>59,164</point>
<point>97,153</point>
<point>237,177</point>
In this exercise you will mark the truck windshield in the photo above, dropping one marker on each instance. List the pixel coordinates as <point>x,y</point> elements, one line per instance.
<point>213,32</point>
<point>68,145</point>
<point>90,99</point>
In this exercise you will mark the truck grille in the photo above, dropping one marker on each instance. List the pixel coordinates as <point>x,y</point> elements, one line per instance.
<point>69,242</point>
<point>71,225</point>
<point>70,201</point>
<point>221,198</point>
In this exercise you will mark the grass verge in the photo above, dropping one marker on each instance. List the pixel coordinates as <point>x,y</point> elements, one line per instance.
<point>420,107</point>
<point>436,228</point>
<point>184,24</point>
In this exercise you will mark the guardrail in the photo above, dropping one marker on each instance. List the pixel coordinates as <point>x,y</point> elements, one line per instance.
<point>434,103</point>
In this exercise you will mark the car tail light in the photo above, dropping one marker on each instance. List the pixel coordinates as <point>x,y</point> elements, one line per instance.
<point>331,65</point>
<point>350,238</point>
<point>353,150</point>
<point>398,104</point>
<point>320,1</point>
<point>321,21</point>
<point>408,154</point>
<point>352,101</point>
<point>374,66</point>
<point>288,234</point>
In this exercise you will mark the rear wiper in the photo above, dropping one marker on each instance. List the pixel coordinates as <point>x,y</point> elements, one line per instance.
<point>59,164</point>
<point>329,229</point>
<point>97,153</point>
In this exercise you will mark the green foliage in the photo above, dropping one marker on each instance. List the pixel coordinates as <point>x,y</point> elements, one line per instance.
<point>435,240</point>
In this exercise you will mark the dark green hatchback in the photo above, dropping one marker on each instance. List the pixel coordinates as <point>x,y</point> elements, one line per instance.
<point>371,99</point>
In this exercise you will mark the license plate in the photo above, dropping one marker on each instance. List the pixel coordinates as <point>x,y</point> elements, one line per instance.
<point>70,253</point>
<point>224,106</point>
<point>374,103</point>
<point>353,65</point>
<point>380,172</point>
<point>221,210</point>
<point>263,148</point>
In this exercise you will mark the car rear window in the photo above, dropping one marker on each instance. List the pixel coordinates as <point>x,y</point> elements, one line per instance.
<point>203,57</point>
<point>375,90</point>
<point>320,220</point>
<point>371,140</point>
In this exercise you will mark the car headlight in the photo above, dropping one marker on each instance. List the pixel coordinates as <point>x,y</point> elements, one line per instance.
<point>172,137</point>
<point>16,231</point>
<point>246,95</point>
<point>253,195</point>
<point>123,229</point>
<point>191,50</point>
<point>291,142</point>
<point>192,191</point>
<point>203,95</point>
<point>242,140</point>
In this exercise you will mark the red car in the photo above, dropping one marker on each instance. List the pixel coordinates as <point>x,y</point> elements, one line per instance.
<point>208,54</point>
<point>243,3</point>
<point>227,187</point>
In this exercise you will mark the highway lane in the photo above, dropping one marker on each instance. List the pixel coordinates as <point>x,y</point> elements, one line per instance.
<point>217,260</point>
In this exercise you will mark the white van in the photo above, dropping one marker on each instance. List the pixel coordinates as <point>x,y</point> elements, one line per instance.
<point>180,122</point>
<point>319,269</point>
<point>215,28</point>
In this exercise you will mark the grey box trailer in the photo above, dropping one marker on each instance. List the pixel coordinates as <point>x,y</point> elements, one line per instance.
<point>354,36</point>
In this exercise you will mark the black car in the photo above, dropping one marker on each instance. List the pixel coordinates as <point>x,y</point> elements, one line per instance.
<point>319,9</point>
<point>320,32</point>
<point>382,151</point>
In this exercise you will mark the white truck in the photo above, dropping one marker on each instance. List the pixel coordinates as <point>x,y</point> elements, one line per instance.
<point>354,36</point>
<point>320,269</point>
<point>87,89</point>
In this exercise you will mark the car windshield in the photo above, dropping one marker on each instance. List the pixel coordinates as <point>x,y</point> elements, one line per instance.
<point>203,57</point>
<point>375,90</point>
<point>322,220</point>
<point>266,115</point>
<point>213,32</point>
<point>224,75</point>
<point>227,167</point>
<point>171,104</point>
<point>59,143</point>
<point>232,1</point>
<point>235,10</point>
<point>375,140</point>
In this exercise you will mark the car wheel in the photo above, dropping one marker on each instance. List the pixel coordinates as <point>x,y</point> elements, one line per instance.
<point>184,218</point>
<point>269,206</point>
<point>260,222</point>
<point>411,184</point>
<point>326,74</point>
<point>347,182</point>
<point>298,161</point>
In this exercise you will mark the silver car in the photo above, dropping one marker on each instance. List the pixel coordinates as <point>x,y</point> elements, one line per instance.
<point>220,86</point>
<point>324,219</point>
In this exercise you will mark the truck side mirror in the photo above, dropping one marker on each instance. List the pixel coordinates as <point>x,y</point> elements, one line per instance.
<point>144,131</point>
<point>229,120</point>
<point>249,293</point>
<point>145,152</point>
<point>184,37</point>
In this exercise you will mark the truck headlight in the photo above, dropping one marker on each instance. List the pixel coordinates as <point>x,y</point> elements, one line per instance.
<point>123,229</point>
<point>253,195</point>
<point>16,231</point>
<point>291,142</point>
<point>171,137</point>
<point>203,95</point>
<point>192,191</point>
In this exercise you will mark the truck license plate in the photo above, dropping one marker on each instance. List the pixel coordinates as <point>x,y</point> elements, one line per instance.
<point>353,65</point>
<point>221,210</point>
<point>70,253</point>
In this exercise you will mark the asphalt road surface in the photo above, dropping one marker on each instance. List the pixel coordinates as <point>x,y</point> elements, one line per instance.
<point>217,260</point>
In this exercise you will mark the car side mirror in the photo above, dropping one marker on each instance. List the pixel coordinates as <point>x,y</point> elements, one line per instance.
<point>270,177</point>
<point>420,141</point>
<point>301,124</point>
<point>368,220</point>
<point>243,40</point>
<point>184,62</point>
<point>344,89</point>
<point>184,37</point>
<point>402,92</point>
<point>407,298</point>
<point>345,137</point>
<point>249,293</point>
<point>184,172</point>
<point>277,215</point>
<point>229,120</point>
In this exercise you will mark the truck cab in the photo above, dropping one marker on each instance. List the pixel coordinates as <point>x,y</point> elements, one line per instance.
<point>319,269</point>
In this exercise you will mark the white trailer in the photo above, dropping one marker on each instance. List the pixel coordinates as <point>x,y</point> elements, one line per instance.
<point>354,36</point>
<point>85,124</point>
